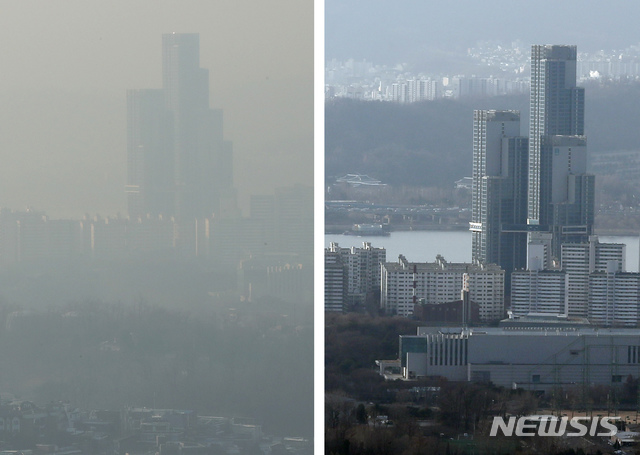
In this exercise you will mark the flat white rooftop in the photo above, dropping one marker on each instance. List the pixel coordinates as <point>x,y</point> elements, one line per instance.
<point>533,331</point>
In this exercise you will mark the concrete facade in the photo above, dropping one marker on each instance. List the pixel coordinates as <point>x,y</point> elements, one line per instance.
<point>563,357</point>
<point>404,284</point>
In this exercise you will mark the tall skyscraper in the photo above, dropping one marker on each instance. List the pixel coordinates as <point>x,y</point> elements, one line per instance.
<point>560,193</point>
<point>179,163</point>
<point>499,190</point>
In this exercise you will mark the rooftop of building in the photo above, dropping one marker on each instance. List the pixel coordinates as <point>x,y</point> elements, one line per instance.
<point>440,264</point>
<point>543,320</point>
<point>540,272</point>
<point>557,51</point>
<point>531,330</point>
<point>502,115</point>
<point>566,141</point>
<point>616,273</point>
<point>592,239</point>
<point>366,246</point>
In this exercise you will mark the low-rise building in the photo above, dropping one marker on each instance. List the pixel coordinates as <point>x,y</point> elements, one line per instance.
<point>535,358</point>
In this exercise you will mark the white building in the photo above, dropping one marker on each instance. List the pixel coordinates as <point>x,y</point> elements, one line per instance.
<point>335,282</point>
<point>413,90</point>
<point>614,298</point>
<point>533,358</point>
<point>591,284</point>
<point>581,259</point>
<point>539,291</point>
<point>404,284</point>
<point>362,268</point>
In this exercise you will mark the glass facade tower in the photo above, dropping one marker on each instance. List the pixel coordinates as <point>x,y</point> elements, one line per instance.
<point>560,192</point>
<point>499,190</point>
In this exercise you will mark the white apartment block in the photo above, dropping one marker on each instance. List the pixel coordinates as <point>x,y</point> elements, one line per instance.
<point>579,260</point>
<point>335,282</point>
<point>591,284</point>
<point>614,298</point>
<point>413,90</point>
<point>539,292</point>
<point>362,269</point>
<point>404,284</point>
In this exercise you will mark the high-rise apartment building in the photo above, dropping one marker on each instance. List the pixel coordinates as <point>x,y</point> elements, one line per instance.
<point>335,281</point>
<point>579,260</point>
<point>560,192</point>
<point>404,284</point>
<point>614,298</point>
<point>362,269</point>
<point>179,163</point>
<point>592,283</point>
<point>539,292</point>
<point>499,190</point>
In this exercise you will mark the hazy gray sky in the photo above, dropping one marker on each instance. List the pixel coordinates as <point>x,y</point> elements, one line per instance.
<point>410,30</point>
<point>66,67</point>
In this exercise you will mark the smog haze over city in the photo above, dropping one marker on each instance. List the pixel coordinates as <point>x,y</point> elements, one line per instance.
<point>156,227</point>
<point>68,65</point>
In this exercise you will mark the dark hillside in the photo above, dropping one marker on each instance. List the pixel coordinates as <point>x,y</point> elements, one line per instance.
<point>429,143</point>
<point>421,144</point>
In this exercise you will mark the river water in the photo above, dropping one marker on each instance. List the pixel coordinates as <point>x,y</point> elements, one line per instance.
<point>455,246</point>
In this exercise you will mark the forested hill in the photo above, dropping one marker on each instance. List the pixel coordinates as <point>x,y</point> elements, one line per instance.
<point>430,143</point>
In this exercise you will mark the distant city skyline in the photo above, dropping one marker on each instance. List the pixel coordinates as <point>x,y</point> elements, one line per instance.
<point>491,68</point>
<point>507,55</point>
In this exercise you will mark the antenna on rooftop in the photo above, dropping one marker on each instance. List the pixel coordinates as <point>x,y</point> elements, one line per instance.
<point>464,296</point>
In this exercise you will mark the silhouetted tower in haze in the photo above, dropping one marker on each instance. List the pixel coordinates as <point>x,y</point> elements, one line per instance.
<point>150,185</point>
<point>179,163</point>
